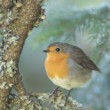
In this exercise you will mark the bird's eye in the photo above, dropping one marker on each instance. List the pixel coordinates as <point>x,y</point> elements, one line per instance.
<point>57,49</point>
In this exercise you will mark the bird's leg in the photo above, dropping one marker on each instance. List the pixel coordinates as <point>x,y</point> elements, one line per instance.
<point>68,94</point>
<point>55,90</point>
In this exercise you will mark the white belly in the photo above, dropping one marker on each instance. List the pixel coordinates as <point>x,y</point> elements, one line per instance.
<point>69,83</point>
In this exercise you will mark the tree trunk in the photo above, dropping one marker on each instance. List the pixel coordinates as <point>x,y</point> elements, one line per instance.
<point>16,20</point>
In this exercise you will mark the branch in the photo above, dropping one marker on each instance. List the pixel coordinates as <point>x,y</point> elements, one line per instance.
<point>16,22</point>
<point>57,101</point>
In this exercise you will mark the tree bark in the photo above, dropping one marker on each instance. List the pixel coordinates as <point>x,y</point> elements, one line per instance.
<point>16,21</point>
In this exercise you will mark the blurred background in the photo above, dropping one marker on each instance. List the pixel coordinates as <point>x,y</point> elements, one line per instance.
<point>84,23</point>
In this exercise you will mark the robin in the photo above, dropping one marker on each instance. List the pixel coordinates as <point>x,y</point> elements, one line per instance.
<point>68,66</point>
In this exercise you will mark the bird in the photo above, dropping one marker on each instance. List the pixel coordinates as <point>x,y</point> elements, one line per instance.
<point>67,66</point>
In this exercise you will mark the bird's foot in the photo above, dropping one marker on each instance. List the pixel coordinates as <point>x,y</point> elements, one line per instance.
<point>67,96</point>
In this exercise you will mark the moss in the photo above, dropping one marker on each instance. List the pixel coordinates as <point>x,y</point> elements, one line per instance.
<point>16,21</point>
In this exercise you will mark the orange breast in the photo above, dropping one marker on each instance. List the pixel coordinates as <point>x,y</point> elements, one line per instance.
<point>57,65</point>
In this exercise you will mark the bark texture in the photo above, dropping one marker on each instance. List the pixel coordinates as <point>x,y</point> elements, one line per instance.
<point>16,20</point>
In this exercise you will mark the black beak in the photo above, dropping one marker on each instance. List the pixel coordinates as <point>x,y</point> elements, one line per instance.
<point>46,51</point>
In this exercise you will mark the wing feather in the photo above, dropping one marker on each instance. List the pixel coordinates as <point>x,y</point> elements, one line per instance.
<point>83,60</point>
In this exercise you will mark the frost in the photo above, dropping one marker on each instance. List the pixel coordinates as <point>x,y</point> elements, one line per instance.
<point>10,85</point>
<point>9,71</point>
<point>57,101</point>
<point>2,65</point>
<point>11,68</point>
<point>1,16</point>
<point>24,97</point>
<point>39,107</point>
<point>2,73</point>
<point>8,67</point>
<point>3,85</point>
<point>10,40</point>
<point>10,63</point>
<point>9,13</point>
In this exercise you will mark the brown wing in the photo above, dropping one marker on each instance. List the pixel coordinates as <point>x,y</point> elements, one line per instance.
<point>83,60</point>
